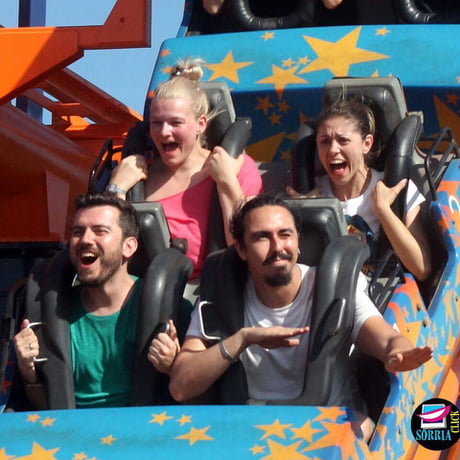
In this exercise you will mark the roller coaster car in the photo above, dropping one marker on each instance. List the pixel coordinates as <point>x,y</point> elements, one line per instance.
<point>46,302</point>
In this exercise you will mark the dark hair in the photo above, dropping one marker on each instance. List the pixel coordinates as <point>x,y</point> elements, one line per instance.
<point>238,220</point>
<point>357,111</point>
<point>128,217</point>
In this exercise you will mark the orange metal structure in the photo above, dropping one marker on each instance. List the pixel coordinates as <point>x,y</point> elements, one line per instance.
<point>42,167</point>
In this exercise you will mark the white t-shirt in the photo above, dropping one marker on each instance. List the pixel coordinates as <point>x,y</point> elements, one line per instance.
<point>278,374</point>
<point>362,205</point>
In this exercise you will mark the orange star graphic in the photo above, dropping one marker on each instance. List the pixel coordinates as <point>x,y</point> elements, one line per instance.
<point>160,418</point>
<point>452,98</point>
<point>257,449</point>
<point>275,119</point>
<point>280,452</point>
<point>5,385</point>
<point>283,106</point>
<point>48,421</point>
<point>338,56</point>
<point>165,53</point>
<point>264,104</point>
<point>337,434</point>
<point>305,432</point>
<point>32,417</point>
<point>108,440</point>
<point>195,435</point>
<point>184,419</point>
<point>268,36</point>
<point>38,453</point>
<point>286,155</point>
<point>275,429</point>
<point>383,31</point>
<point>166,69</point>
<point>79,456</point>
<point>227,68</point>
<point>280,78</point>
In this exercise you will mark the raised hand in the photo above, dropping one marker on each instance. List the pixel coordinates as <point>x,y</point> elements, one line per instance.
<point>129,172</point>
<point>164,349</point>
<point>27,348</point>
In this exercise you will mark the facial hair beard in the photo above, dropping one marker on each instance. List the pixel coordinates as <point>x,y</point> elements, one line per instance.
<point>281,278</point>
<point>109,265</point>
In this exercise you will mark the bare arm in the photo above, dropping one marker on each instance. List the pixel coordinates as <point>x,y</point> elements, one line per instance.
<point>331,4</point>
<point>408,238</point>
<point>224,170</point>
<point>377,338</point>
<point>128,173</point>
<point>27,348</point>
<point>198,366</point>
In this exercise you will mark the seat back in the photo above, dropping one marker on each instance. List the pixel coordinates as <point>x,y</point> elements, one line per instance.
<point>48,301</point>
<point>339,258</point>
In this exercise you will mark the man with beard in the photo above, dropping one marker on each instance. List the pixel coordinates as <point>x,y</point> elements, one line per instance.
<point>272,344</point>
<point>103,307</point>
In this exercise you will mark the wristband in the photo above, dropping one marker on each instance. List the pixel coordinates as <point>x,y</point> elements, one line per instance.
<point>225,354</point>
<point>115,189</point>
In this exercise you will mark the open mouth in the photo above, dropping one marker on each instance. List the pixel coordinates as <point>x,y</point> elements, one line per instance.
<point>170,146</point>
<point>337,165</point>
<point>88,258</point>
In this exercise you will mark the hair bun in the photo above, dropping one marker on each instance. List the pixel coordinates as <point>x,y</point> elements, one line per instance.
<point>188,68</point>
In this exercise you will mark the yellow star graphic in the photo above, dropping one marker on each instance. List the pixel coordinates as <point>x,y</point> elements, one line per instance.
<point>268,36</point>
<point>79,456</point>
<point>304,60</point>
<point>195,435</point>
<point>264,104</point>
<point>227,68</point>
<point>382,31</point>
<point>275,429</point>
<point>265,149</point>
<point>275,118</point>
<point>3,455</point>
<point>288,62</point>
<point>282,77</point>
<point>160,418</point>
<point>33,418</point>
<point>108,440</point>
<point>38,453</point>
<point>48,421</point>
<point>305,432</point>
<point>280,452</point>
<point>330,413</point>
<point>283,106</point>
<point>184,419</point>
<point>339,56</point>
<point>257,449</point>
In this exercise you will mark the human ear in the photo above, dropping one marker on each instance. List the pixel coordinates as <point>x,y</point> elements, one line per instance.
<point>368,142</point>
<point>129,246</point>
<point>202,124</point>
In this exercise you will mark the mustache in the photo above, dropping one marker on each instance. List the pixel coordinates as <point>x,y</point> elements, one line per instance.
<point>277,255</point>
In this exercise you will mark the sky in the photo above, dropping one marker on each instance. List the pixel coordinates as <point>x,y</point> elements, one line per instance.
<point>124,74</point>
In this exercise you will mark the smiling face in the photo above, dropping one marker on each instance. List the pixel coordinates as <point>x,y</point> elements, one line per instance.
<point>270,245</point>
<point>97,247</point>
<point>342,150</point>
<point>175,130</point>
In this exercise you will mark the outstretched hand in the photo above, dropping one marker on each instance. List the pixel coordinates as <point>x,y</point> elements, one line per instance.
<point>406,360</point>
<point>273,337</point>
<point>164,349</point>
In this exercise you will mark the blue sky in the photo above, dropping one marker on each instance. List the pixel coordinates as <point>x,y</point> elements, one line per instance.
<point>124,74</point>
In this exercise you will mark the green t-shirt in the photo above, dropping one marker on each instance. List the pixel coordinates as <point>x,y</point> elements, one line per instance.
<point>103,352</point>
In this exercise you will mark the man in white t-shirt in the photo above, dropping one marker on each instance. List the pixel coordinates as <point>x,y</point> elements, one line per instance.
<point>272,344</point>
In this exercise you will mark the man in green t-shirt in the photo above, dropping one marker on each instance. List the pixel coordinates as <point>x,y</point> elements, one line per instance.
<point>103,309</point>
